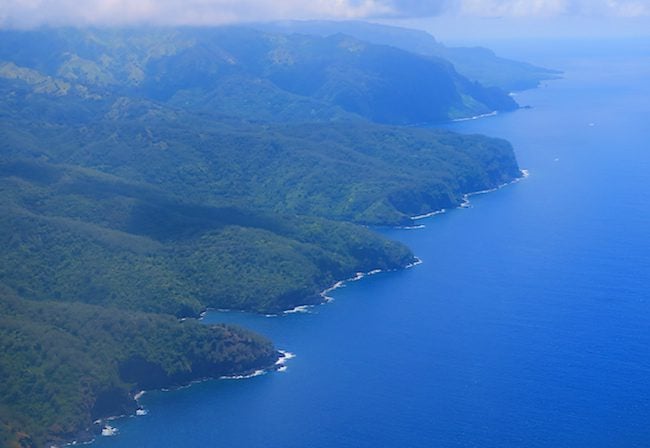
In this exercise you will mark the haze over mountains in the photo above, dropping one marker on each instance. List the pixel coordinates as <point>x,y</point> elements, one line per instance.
<point>165,171</point>
<point>475,63</point>
<point>239,71</point>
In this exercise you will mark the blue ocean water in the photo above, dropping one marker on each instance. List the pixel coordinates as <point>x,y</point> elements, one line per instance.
<point>527,325</point>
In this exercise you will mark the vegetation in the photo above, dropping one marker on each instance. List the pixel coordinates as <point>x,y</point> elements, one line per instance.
<point>248,73</point>
<point>63,365</point>
<point>148,175</point>
<point>77,235</point>
<point>358,172</point>
<point>475,63</point>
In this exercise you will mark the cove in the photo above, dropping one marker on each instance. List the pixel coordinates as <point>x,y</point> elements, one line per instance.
<point>526,324</point>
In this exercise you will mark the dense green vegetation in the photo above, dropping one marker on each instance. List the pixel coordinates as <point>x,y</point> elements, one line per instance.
<point>78,235</point>
<point>475,63</point>
<point>356,171</point>
<point>248,73</point>
<point>147,175</point>
<point>65,365</point>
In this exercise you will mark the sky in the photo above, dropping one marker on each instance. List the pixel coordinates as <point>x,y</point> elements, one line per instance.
<point>445,18</point>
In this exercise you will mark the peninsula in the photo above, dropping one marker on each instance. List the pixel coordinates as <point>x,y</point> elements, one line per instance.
<point>147,175</point>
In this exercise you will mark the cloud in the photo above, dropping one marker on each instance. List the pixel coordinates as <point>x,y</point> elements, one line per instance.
<point>27,13</point>
<point>521,8</point>
<point>416,8</point>
<point>554,8</point>
<point>515,8</point>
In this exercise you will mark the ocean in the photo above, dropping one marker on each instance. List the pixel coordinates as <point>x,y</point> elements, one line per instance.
<point>526,325</point>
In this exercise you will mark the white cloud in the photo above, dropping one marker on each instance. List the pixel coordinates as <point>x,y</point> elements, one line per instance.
<point>516,8</point>
<point>179,12</point>
<point>553,8</point>
<point>25,13</point>
<point>630,8</point>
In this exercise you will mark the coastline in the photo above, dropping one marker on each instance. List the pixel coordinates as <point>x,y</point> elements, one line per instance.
<point>340,284</point>
<point>465,203</point>
<point>476,117</point>
<point>326,295</point>
<point>101,426</point>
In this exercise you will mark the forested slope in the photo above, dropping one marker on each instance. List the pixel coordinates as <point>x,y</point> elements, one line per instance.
<point>146,175</point>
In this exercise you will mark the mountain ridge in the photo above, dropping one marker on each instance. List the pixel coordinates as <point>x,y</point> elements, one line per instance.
<point>147,175</point>
<point>476,63</point>
<point>349,76</point>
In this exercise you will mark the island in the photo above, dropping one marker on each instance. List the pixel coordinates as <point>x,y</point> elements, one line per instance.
<point>148,175</point>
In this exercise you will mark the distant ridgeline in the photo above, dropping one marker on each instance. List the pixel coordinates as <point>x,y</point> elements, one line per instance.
<point>475,63</point>
<point>146,175</point>
<point>248,73</point>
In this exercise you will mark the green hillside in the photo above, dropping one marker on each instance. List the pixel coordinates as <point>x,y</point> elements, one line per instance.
<point>65,365</point>
<point>243,72</point>
<point>147,175</point>
<point>475,63</point>
<point>73,234</point>
<point>354,171</point>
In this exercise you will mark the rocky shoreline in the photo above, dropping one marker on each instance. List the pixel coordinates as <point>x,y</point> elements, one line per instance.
<point>131,404</point>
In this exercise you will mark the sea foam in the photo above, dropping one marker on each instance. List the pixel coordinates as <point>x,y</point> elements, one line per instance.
<point>476,117</point>
<point>108,431</point>
<point>428,215</point>
<point>415,263</point>
<point>286,356</point>
<point>282,361</point>
<point>244,377</point>
<point>298,309</point>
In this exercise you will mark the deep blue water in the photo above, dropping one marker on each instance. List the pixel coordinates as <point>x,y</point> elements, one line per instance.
<point>528,325</point>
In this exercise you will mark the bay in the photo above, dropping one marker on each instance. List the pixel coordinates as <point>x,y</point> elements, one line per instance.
<point>526,325</point>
